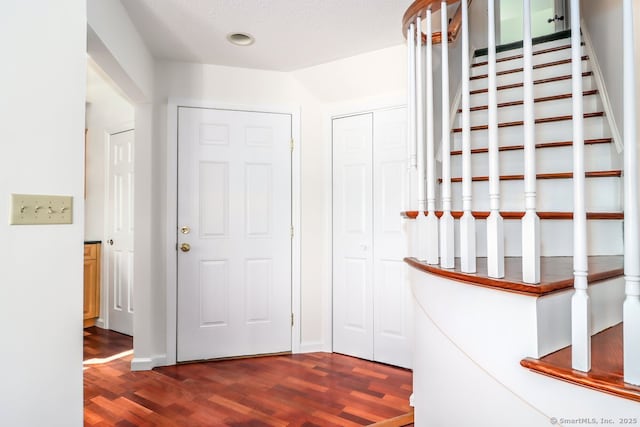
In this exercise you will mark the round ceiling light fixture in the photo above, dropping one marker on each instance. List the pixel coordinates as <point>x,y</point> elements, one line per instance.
<point>240,39</point>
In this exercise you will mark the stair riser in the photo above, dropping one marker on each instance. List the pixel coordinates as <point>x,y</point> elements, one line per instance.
<point>605,237</point>
<point>536,48</point>
<point>539,90</point>
<point>548,160</point>
<point>594,127</point>
<point>540,73</point>
<point>559,107</point>
<point>555,195</point>
<point>554,313</point>
<point>542,58</point>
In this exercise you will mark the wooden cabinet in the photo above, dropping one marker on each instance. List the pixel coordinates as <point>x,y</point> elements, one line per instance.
<point>91,283</point>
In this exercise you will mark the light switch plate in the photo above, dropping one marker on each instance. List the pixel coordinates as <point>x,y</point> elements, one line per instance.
<point>40,209</point>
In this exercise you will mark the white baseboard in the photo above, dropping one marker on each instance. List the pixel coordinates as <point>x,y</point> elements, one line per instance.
<point>100,323</point>
<point>148,363</point>
<point>314,347</point>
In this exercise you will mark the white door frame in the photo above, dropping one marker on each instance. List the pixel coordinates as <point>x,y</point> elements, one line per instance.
<point>336,111</point>
<point>172,217</point>
<point>103,319</point>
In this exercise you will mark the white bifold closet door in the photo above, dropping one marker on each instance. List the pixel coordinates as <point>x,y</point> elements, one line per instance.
<point>372,317</point>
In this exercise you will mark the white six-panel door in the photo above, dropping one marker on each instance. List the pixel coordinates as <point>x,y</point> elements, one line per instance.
<point>119,219</point>
<point>352,236</point>
<point>234,212</point>
<point>372,315</point>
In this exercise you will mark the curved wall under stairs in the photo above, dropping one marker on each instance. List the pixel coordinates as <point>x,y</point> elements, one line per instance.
<point>469,344</point>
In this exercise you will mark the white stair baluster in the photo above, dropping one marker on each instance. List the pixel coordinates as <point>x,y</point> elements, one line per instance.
<point>411,147</point>
<point>421,219</point>
<point>495,223</point>
<point>467,222</point>
<point>580,303</point>
<point>432,219</point>
<point>446,221</point>
<point>530,221</point>
<point>631,308</point>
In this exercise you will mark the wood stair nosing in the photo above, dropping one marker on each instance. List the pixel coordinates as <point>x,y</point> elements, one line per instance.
<point>519,56</point>
<point>537,100</point>
<point>536,82</point>
<point>543,215</point>
<point>556,273</point>
<point>615,173</point>
<point>535,67</point>
<point>554,144</point>
<point>537,121</point>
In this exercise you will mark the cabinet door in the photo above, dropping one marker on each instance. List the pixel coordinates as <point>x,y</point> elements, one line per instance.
<point>90,289</point>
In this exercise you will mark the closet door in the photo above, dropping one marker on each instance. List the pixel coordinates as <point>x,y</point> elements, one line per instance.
<point>353,236</point>
<point>393,317</point>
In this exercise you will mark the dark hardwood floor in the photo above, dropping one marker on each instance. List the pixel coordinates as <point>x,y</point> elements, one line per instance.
<point>313,389</point>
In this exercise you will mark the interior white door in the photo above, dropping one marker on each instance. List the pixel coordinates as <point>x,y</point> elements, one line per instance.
<point>119,221</point>
<point>393,316</point>
<point>372,309</point>
<point>234,212</point>
<point>352,236</point>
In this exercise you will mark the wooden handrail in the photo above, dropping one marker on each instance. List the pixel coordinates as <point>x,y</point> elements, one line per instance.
<point>418,7</point>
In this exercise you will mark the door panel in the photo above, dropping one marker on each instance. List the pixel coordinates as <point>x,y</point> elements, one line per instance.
<point>393,324</point>
<point>234,195</point>
<point>352,236</point>
<point>119,247</point>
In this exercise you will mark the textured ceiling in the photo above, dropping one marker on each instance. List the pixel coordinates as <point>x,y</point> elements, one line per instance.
<point>290,34</point>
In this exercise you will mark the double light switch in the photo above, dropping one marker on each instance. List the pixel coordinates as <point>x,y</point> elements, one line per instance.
<point>40,209</point>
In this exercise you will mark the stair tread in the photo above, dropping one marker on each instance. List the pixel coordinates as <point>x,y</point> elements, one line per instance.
<point>518,44</point>
<point>535,67</point>
<point>536,82</point>
<point>541,99</point>
<point>607,365</point>
<point>556,273</point>
<point>555,175</point>
<point>520,214</point>
<point>553,144</point>
<point>519,56</point>
<point>537,121</point>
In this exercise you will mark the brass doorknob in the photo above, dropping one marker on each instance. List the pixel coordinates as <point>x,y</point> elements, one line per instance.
<point>185,247</point>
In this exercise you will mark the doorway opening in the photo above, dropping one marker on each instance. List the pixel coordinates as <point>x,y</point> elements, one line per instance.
<point>547,17</point>
<point>109,208</point>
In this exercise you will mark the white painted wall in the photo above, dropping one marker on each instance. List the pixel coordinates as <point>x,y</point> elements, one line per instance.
<point>42,108</point>
<point>116,45</point>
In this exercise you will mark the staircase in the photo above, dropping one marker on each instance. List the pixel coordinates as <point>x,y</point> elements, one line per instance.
<point>546,323</point>
<point>553,130</point>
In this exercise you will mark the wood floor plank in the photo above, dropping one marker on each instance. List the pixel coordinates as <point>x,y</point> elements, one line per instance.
<point>316,389</point>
